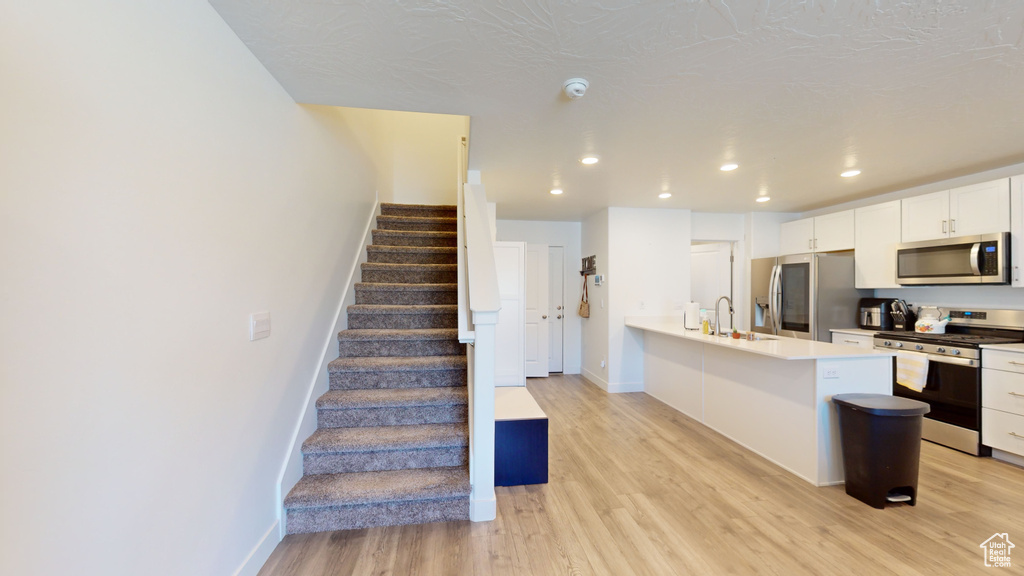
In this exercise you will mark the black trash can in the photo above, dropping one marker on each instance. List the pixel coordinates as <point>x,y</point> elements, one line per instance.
<point>881,438</point>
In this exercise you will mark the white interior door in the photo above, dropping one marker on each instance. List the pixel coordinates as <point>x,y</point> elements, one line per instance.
<point>536,331</point>
<point>510,264</point>
<point>709,277</point>
<point>556,307</point>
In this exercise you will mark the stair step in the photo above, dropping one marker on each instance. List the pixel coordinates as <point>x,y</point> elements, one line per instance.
<point>412,254</point>
<point>406,372</point>
<point>413,238</point>
<point>423,342</point>
<point>435,224</point>
<point>418,210</point>
<point>410,273</point>
<point>406,294</point>
<point>325,502</point>
<point>343,450</point>
<point>394,407</point>
<point>404,317</point>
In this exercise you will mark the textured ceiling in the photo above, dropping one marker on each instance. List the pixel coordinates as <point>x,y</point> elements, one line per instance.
<point>795,92</point>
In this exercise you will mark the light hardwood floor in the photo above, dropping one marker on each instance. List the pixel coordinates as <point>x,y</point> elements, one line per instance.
<point>638,488</point>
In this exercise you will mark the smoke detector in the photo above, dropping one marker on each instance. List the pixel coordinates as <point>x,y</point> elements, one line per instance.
<point>575,88</point>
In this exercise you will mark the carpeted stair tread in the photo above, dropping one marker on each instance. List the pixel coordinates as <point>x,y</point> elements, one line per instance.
<point>402,287</point>
<point>397,363</point>
<point>412,254</point>
<point>332,490</point>
<point>435,223</point>
<point>403,309</point>
<point>386,438</point>
<point>413,234</point>
<point>407,266</point>
<point>392,398</point>
<point>365,334</point>
<point>418,210</point>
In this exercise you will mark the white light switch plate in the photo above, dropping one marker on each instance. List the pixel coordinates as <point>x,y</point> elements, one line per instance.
<point>259,325</point>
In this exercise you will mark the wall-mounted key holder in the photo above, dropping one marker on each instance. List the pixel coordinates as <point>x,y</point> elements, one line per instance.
<point>589,266</point>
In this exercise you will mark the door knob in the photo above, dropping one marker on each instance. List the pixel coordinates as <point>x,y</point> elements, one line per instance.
<point>544,317</point>
<point>559,307</point>
<point>559,316</point>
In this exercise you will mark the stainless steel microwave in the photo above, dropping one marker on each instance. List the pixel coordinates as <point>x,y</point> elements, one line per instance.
<point>983,259</point>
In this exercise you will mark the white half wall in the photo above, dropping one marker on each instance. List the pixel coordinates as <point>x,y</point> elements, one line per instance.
<point>567,235</point>
<point>157,187</point>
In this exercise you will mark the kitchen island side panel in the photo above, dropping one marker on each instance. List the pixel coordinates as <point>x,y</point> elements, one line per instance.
<point>767,405</point>
<point>673,372</point>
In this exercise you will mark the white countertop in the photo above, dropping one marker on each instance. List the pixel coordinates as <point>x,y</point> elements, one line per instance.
<point>780,347</point>
<point>857,331</point>
<point>1004,347</point>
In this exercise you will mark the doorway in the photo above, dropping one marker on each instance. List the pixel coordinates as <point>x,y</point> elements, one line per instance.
<point>711,277</point>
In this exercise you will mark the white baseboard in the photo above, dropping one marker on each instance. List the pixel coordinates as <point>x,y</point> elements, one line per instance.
<point>258,557</point>
<point>483,510</point>
<point>625,387</point>
<point>1007,457</point>
<point>291,469</point>
<point>617,388</point>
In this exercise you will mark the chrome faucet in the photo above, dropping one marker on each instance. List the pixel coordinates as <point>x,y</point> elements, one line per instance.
<point>718,317</point>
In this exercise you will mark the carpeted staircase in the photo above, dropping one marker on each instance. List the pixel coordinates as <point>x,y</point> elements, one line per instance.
<point>392,441</point>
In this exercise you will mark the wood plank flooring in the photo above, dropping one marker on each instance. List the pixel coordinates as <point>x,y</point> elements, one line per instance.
<point>638,488</point>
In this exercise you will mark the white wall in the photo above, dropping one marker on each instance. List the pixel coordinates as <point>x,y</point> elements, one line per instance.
<point>732,228</point>
<point>414,153</point>
<point>594,330</point>
<point>568,235</point>
<point>648,275</point>
<point>158,186</point>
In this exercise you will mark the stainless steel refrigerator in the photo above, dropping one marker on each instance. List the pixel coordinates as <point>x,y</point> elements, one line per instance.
<point>804,295</point>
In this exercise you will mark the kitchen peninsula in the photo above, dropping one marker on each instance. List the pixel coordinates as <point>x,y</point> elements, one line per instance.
<point>771,396</point>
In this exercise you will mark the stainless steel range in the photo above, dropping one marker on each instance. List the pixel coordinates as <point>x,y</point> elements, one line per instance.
<point>953,384</point>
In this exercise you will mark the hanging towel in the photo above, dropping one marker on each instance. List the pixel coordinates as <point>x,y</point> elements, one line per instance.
<point>911,370</point>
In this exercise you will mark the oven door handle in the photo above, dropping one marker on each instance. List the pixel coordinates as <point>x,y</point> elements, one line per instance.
<point>949,360</point>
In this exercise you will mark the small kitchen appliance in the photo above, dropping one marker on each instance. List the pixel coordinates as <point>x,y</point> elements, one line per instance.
<point>952,384</point>
<point>874,314</point>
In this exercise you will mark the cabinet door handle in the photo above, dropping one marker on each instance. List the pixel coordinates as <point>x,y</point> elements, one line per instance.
<point>810,244</point>
<point>815,243</point>
<point>1015,435</point>
<point>851,341</point>
<point>1016,394</point>
<point>944,227</point>
<point>952,226</point>
<point>1015,363</point>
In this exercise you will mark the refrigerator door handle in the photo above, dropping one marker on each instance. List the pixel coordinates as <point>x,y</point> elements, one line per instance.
<point>773,301</point>
<point>778,299</point>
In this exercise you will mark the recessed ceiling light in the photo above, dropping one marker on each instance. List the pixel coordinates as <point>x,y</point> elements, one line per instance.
<point>588,160</point>
<point>729,167</point>
<point>665,195</point>
<point>556,191</point>
<point>763,198</point>
<point>850,173</point>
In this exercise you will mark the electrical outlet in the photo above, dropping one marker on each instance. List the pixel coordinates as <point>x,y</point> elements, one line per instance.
<point>831,373</point>
<point>259,325</point>
<point>603,363</point>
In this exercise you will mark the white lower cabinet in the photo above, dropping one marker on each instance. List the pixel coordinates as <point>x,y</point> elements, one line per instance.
<point>1002,401</point>
<point>860,340</point>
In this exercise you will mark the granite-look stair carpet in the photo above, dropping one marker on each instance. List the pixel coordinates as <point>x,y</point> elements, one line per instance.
<point>392,444</point>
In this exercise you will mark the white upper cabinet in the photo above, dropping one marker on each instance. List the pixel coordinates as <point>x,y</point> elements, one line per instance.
<point>1017,231</point>
<point>877,234</point>
<point>926,217</point>
<point>980,209</point>
<point>966,211</point>
<point>834,232</point>
<point>826,233</point>
<point>796,237</point>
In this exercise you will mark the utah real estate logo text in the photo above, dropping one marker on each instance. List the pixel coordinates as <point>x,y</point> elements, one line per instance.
<point>997,550</point>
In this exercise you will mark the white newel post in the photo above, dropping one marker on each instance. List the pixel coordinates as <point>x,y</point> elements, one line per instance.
<point>482,502</point>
